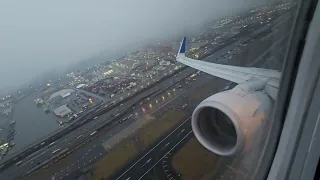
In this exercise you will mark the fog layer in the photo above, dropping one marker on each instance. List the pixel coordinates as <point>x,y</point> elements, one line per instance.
<point>37,35</point>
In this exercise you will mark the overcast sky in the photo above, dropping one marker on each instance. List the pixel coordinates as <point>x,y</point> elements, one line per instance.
<point>37,35</point>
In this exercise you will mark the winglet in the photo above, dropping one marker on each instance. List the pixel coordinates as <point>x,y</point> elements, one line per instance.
<point>182,48</point>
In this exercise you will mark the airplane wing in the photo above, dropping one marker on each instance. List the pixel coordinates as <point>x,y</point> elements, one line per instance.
<point>231,73</point>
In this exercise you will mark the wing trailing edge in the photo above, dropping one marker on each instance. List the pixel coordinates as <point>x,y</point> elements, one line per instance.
<point>234,74</point>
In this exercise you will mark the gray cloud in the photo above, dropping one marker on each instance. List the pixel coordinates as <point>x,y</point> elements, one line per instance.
<point>37,35</point>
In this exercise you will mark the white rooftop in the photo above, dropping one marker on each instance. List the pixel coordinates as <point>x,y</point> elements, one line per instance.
<point>62,111</point>
<point>61,93</point>
<point>80,86</point>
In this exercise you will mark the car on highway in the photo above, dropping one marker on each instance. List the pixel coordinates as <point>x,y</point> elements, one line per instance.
<point>124,119</point>
<point>55,151</point>
<point>51,144</point>
<point>18,163</point>
<point>94,132</point>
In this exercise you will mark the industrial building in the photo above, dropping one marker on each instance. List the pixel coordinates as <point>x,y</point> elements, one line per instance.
<point>62,93</point>
<point>62,111</point>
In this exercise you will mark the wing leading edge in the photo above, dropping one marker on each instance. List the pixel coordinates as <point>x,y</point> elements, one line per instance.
<point>231,73</point>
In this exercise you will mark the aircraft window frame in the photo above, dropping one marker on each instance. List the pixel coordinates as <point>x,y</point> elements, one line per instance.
<point>305,159</point>
<point>275,163</point>
<point>307,153</point>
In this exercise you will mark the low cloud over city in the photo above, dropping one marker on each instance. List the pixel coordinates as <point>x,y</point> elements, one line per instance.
<point>37,36</point>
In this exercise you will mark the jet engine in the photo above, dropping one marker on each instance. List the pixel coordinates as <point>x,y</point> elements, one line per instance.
<point>228,123</point>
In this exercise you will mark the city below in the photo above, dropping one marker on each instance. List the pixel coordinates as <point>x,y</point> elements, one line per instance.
<point>129,118</point>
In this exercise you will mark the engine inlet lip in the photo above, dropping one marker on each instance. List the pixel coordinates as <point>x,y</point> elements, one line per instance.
<point>232,116</point>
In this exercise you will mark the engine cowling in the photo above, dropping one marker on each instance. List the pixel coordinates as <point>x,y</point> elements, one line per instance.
<point>228,122</point>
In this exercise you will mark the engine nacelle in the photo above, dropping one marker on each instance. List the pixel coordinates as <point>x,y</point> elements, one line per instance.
<point>228,122</point>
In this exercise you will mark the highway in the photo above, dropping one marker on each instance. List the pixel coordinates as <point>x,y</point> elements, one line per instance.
<point>81,136</point>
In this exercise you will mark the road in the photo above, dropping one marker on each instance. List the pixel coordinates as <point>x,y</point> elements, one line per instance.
<point>83,132</point>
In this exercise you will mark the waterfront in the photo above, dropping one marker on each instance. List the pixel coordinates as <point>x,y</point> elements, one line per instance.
<point>32,123</point>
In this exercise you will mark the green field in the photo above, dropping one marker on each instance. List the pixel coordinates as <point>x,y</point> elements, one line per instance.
<point>156,129</point>
<point>194,162</point>
<point>115,159</point>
